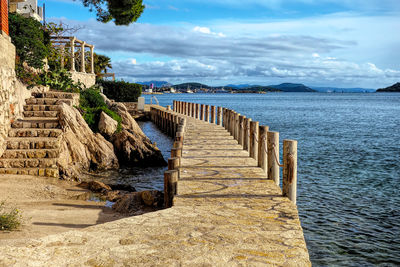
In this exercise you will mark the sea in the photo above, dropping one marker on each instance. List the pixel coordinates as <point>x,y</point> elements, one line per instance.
<point>348,167</point>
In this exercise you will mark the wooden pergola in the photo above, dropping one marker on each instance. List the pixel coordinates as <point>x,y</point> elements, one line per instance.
<point>72,44</point>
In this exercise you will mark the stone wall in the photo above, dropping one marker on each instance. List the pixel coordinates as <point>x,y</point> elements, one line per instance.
<point>12,92</point>
<point>88,79</point>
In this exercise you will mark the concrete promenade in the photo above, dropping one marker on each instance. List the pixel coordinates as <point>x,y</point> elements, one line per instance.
<point>225,214</point>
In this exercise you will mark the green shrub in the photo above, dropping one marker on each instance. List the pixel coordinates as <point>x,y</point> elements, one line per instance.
<point>61,80</point>
<point>31,41</point>
<point>10,219</point>
<point>121,91</point>
<point>91,106</point>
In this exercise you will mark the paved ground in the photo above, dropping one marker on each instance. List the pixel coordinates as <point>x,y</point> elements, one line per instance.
<point>226,214</point>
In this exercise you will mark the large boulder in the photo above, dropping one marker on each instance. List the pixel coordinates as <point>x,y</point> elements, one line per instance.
<point>138,201</point>
<point>131,145</point>
<point>107,125</point>
<point>81,149</point>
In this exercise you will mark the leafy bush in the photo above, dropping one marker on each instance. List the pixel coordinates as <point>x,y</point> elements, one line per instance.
<point>31,41</point>
<point>10,219</point>
<point>121,91</point>
<point>91,106</point>
<point>61,80</point>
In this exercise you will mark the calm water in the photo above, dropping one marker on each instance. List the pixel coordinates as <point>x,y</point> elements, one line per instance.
<point>349,167</point>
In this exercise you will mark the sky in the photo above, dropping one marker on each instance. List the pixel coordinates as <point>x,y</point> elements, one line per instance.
<point>333,43</point>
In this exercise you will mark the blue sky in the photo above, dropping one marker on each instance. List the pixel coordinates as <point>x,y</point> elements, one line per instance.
<point>342,43</point>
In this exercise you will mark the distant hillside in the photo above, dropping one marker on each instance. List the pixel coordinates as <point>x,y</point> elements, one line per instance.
<point>156,83</point>
<point>192,86</point>
<point>343,90</point>
<point>292,87</point>
<point>394,88</point>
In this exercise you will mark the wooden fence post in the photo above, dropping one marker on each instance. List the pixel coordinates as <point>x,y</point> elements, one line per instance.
<point>170,187</point>
<point>197,110</point>
<point>202,112</point>
<point>212,114</point>
<point>174,164</point>
<point>289,182</point>
<point>241,130</point>
<point>207,114</point>
<point>254,139</point>
<point>237,126</point>
<point>262,148</point>
<point>219,115</point>
<point>246,141</point>
<point>273,157</point>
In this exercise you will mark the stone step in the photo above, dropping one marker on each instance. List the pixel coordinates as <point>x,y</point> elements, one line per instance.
<point>29,163</point>
<point>30,154</point>
<point>48,101</point>
<point>34,132</point>
<point>35,122</point>
<point>47,172</point>
<point>56,94</point>
<point>41,107</point>
<point>46,114</point>
<point>33,143</point>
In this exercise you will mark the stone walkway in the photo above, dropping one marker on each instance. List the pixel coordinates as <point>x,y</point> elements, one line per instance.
<point>226,214</point>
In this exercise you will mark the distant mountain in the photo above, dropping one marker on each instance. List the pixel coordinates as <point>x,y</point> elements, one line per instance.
<point>192,86</point>
<point>395,88</point>
<point>238,86</point>
<point>343,90</point>
<point>292,87</point>
<point>156,83</point>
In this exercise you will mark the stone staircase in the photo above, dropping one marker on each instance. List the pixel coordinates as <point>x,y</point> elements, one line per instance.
<point>33,143</point>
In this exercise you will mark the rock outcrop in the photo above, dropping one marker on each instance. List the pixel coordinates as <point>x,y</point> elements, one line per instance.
<point>107,125</point>
<point>81,149</point>
<point>138,201</point>
<point>131,145</point>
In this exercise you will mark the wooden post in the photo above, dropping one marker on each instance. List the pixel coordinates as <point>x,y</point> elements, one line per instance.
<point>179,137</point>
<point>207,114</point>
<point>237,126</point>
<point>231,124</point>
<point>212,114</point>
<point>189,109</point>
<point>202,112</point>
<point>180,107</point>
<point>175,123</point>
<point>262,148</point>
<point>241,130</point>
<point>194,110</point>
<point>219,115</point>
<point>170,187</point>
<point>174,105</point>
<point>173,164</point>
<point>289,182</point>
<point>246,138</point>
<point>254,140</point>
<point>176,152</point>
<point>168,107</point>
<point>273,157</point>
<point>197,111</point>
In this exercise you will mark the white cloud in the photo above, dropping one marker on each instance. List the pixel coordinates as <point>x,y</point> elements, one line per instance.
<point>335,50</point>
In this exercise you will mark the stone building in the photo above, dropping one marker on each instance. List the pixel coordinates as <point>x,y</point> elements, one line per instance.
<point>27,8</point>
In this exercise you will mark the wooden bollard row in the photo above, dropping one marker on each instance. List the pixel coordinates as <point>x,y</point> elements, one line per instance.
<point>261,144</point>
<point>203,112</point>
<point>171,177</point>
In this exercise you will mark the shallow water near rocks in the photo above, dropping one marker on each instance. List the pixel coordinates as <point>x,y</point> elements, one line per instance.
<point>149,178</point>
